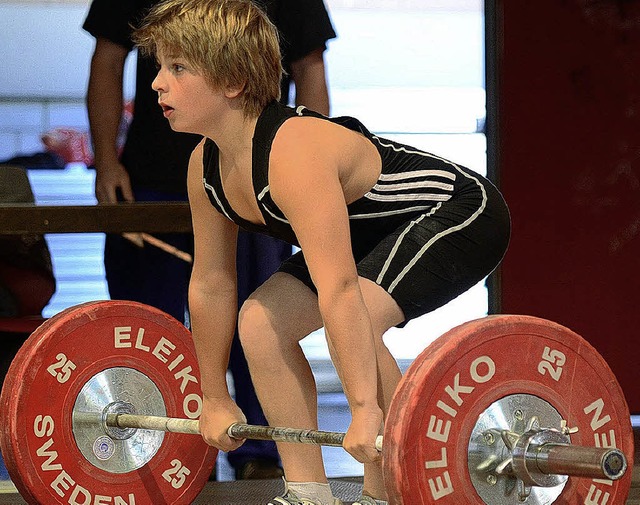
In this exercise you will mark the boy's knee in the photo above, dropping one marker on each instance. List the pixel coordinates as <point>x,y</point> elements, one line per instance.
<point>253,324</point>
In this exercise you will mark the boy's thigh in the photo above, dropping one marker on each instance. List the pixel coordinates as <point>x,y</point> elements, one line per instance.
<point>286,304</point>
<point>384,311</point>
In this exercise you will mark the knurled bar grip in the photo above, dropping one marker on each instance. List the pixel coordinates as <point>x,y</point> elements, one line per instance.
<point>328,438</point>
<point>237,430</point>
<point>551,459</point>
<point>278,434</point>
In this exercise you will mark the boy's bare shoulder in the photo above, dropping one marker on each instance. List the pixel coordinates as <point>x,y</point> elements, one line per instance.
<point>306,134</point>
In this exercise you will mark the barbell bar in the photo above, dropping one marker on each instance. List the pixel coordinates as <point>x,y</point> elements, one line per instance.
<point>496,411</point>
<point>549,458</point>
<point>237,430</point>
<point>192,427</point>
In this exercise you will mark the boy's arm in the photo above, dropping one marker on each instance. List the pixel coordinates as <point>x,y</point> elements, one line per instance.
<point>213,305</point>
<point>305,184</point>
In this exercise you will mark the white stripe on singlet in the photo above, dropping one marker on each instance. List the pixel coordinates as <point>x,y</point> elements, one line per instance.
<point>386,213</point>
<point>413,185</point>
<point>409,197</point>
<point>263,192</point>
<point>417,173</point>
<point>435,238</point>
<point>396,246</point>
<point>406,184</point>
<point>264,206</point>
<point>215,195</point>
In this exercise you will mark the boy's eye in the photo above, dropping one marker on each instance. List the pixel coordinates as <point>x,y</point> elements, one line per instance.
<point>177,67</point>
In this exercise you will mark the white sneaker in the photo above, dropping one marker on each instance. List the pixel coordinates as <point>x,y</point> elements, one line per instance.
<point>290,498</point>
<point>367,500</point>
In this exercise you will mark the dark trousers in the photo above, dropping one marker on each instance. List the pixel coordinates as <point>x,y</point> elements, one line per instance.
<point>154,277</point>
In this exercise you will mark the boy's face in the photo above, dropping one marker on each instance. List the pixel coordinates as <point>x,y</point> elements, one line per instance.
<point>188,101</point>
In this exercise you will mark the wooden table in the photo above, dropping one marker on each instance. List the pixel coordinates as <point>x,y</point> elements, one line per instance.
<point>156,217</point>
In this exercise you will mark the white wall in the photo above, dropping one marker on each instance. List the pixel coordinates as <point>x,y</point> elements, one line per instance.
<point>44,51</point>
<point>45,56</point>
<point>410,69</point>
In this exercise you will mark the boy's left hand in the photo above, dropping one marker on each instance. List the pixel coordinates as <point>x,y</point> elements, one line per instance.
<point>360,440</point>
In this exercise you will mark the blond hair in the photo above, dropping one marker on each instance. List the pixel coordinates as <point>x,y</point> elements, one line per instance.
<point>232,42</point>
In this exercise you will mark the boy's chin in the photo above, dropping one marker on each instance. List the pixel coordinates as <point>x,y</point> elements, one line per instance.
<point>179,129</point>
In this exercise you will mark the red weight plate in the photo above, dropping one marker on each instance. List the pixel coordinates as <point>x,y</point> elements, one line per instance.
<point>45,379</point>
<point>452,383</point>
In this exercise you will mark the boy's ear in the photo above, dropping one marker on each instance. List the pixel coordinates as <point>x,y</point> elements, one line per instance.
<point>234,90</point>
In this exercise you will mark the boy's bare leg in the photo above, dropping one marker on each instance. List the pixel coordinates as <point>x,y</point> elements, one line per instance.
<point>272,322</point>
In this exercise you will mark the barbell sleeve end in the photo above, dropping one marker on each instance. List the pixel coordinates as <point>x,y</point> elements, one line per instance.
<point>592,462</point>
<point>169,424</point>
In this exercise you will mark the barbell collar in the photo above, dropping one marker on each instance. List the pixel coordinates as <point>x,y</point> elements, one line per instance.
<point>578,461</point>
<point>540,456</point>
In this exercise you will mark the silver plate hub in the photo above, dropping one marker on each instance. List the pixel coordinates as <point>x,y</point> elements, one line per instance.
<point>491,449</point>
<point>117,390</point>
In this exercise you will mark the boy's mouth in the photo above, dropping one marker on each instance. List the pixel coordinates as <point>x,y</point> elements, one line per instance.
<point>166,109</point>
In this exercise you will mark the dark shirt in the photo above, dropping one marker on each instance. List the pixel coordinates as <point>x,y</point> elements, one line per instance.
<point>155,156</point>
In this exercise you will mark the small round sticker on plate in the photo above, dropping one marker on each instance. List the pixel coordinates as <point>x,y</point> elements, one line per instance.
<point>103,448</point>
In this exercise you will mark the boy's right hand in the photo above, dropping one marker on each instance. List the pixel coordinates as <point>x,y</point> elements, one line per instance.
<point>216,417</point>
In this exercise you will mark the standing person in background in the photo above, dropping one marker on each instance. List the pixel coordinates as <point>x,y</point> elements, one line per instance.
<point>153,167</point>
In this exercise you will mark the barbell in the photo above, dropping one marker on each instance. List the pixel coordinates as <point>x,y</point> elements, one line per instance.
<point>98,403</point>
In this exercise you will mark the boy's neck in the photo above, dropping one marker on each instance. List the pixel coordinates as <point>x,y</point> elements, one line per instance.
<point>233,133</point>
<point>234,136</point>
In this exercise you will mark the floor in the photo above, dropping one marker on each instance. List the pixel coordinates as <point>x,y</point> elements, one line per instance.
<point>344,472</point>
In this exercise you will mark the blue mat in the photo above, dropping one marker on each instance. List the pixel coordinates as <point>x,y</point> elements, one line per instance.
<point>4,475</point>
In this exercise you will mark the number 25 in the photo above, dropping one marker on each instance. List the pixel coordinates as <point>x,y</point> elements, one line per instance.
<point>549,359</point>
<point>177,474</point>
<point>62,368</point>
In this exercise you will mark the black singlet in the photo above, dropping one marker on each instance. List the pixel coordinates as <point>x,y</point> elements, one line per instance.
<point>426,231</point>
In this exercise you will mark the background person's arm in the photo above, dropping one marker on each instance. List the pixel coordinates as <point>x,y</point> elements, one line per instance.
<point>104,106</point>
<point>309,75</point>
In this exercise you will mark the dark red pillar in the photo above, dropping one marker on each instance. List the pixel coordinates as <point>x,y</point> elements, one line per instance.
<point>568,158</point>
